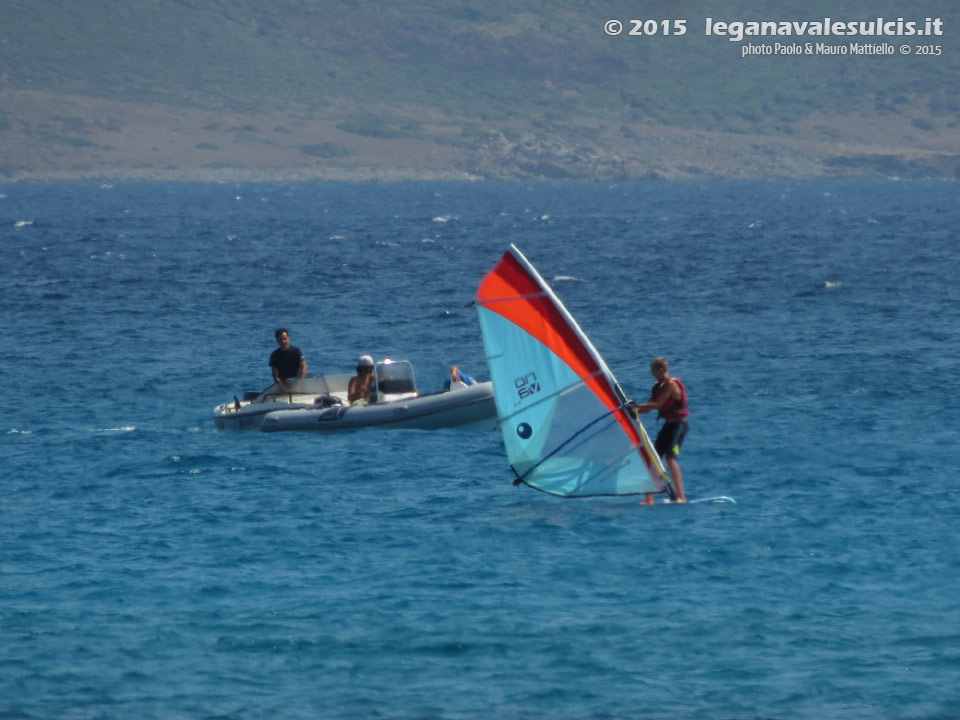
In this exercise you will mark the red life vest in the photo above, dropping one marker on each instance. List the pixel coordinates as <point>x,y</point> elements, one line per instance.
<point>674,409</point>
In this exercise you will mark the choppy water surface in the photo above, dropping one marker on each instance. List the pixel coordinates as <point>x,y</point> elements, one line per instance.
<point>152,567</point>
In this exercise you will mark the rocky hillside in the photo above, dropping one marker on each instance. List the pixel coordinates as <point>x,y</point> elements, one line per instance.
<point>209,89</point>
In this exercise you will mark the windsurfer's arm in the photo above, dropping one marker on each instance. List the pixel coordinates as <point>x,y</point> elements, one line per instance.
<point>655,403</point>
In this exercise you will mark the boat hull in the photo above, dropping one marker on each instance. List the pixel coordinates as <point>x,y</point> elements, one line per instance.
<point>246,418</point>
<point>471,407</point>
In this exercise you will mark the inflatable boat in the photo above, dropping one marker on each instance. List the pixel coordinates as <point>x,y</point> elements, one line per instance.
<point>320,404</point>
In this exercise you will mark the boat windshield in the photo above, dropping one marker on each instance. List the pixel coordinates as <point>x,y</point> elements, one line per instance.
<point>395,377</point>
<point>318,385</point>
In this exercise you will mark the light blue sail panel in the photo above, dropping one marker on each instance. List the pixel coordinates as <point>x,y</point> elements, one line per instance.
<point>559,436</point>
<point>527,376</point>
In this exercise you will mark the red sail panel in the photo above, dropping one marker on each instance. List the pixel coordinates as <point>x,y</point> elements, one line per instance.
<point>511,291</point>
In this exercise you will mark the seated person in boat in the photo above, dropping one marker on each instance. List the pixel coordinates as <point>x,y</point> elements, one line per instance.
<point>457,376</point>
<point>287,361</point>
<point>360,385</point>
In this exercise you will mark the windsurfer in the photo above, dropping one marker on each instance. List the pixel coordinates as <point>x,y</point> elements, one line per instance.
<point>669,398</point>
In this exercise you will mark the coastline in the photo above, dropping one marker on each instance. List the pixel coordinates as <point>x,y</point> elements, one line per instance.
<point>51,137</point>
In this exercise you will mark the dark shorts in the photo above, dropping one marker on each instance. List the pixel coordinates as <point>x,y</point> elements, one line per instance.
<point>670,438</point>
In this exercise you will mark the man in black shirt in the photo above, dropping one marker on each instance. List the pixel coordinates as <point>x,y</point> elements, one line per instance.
<point>287,361</point>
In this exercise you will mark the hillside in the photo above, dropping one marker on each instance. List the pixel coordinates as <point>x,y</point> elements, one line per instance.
<point>301,89</point>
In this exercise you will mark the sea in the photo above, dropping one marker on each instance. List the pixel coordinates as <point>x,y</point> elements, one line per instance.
<point>153,567</point>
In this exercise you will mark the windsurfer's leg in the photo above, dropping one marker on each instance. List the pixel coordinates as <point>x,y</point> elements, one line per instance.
<point>676,474</point>
<point>648,500</point>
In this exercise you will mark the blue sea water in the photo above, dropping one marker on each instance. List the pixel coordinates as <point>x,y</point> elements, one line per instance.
<point>152,567</point>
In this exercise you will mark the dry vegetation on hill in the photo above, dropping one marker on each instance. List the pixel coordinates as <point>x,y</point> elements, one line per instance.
<point>305,89</point>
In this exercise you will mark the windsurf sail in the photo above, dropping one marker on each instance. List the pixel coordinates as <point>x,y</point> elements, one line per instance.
<point>564,419</point>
